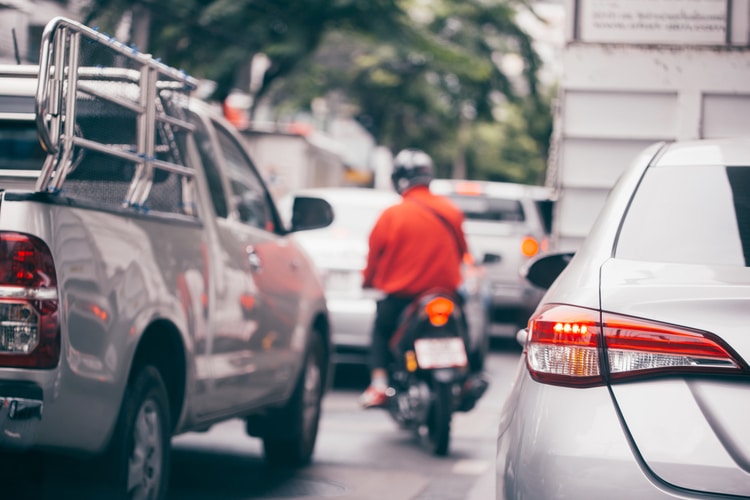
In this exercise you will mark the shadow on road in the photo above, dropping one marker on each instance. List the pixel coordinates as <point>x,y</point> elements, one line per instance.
<point>200,474</point>
<point>351,377</point>
<point>505,345</point>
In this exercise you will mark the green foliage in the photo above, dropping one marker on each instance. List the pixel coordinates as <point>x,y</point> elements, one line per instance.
<point>414,73</point>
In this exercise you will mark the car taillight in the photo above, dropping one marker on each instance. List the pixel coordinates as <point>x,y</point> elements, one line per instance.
<point>29,325</point>
<point>565,344</point>
<point>640,346</point>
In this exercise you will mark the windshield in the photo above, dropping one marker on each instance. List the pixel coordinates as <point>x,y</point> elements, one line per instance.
<point>489,209</point>
<point>19,146</point>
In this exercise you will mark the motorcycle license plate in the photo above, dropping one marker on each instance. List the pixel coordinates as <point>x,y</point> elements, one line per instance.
<point>440,353</point>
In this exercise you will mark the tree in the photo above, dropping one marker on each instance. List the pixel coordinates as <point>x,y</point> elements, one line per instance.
<point>419,73</point>
<point>217,39</point>
<point>432,83</point>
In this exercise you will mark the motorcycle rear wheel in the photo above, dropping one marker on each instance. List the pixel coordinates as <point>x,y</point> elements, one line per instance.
<point>439,416</point>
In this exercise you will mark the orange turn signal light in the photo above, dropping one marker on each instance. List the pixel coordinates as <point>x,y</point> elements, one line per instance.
<point>411,361</point>
<point>530,246</point>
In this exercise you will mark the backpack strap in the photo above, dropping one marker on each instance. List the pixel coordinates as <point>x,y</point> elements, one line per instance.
<point>445,222</point>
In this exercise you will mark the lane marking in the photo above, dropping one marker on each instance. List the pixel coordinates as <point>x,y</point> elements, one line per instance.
<point>471,467</point>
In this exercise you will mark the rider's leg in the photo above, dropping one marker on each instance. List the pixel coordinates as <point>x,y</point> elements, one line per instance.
<point>387,314</point>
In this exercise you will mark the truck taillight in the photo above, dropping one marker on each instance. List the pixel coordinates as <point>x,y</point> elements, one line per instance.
<point>564,347</point>
<point>29,324</point>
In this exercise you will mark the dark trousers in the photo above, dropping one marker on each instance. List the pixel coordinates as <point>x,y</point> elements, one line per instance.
<point>387,314</point>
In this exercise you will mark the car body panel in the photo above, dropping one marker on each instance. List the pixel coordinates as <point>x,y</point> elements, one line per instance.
<point>691,433</point>
<point>110,292</point>
<point>685,435</point>
<point>242,300</point>
<point>688,438</point>
<point>708,298</point>
<point>572,454</point>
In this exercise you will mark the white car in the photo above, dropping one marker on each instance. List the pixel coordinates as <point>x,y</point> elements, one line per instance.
<point>634,381</point>
<point>339,251</point>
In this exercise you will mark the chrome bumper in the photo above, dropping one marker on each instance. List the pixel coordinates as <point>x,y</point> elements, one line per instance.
<point>19,421</point>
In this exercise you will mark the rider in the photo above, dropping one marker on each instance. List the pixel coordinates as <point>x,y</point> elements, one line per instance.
<point>415,246</point>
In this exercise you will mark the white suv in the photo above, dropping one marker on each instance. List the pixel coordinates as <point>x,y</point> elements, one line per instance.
<point>505,225</point>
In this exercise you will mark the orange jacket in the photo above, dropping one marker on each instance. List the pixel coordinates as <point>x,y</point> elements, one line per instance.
<point>411,250</point>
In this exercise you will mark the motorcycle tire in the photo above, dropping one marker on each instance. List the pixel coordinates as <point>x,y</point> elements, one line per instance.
<point>439,419</point>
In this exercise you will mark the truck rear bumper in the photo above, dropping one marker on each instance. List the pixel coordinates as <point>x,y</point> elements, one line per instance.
<point>55,410</point>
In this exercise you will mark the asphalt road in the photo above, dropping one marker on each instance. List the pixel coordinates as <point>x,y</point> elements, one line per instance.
<point>360,454</point>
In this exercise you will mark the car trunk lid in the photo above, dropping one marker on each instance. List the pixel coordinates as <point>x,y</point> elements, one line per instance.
<point>691,431</point>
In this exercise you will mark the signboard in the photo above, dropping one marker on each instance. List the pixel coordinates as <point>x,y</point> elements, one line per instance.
<point>694,22</point>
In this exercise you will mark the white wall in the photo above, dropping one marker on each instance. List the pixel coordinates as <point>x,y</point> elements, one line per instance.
<point>637,72</point>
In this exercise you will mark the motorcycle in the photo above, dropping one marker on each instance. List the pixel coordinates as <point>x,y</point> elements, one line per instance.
<point>430,377</point>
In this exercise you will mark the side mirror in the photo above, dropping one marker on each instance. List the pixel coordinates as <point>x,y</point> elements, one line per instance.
<point>521,336</point>
<point>542,271</point>
<point>310,213</point>
<point>491,258</point>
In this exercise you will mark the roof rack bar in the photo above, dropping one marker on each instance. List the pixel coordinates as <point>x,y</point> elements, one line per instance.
<point>68,131</point>
<point>63,81</point>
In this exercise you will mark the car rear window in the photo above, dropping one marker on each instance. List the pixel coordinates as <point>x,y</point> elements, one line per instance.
<point>19,146</point>
<point>692,215</point>
<point>489,209</point>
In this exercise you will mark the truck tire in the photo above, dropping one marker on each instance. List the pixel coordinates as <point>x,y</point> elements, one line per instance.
<point>139,455</point>
<point>300,416</point>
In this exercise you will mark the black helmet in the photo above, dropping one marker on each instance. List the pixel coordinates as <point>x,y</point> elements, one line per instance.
<point>411,167</point>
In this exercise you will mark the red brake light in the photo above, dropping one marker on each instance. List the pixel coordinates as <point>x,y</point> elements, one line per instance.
<point>564,348</point>
<point>29,324</point>
<point>640,346</point>
<point>25,261</point>
<point>439,310</point>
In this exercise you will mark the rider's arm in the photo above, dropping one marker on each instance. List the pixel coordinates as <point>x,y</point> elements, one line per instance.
<point>377,241</point>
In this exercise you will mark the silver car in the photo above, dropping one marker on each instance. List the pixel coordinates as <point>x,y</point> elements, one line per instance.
<point>339,251</point>
<point>634,381</point>
<point>505,226</point>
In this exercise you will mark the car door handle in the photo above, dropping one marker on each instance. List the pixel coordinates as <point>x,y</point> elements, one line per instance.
<point>253,259</point>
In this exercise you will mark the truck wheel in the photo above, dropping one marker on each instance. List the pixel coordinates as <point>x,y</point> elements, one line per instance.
<point>293,447</point>
<point>139,454</point>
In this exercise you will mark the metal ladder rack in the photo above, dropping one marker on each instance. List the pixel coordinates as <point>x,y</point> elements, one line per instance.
<point>131,81</point>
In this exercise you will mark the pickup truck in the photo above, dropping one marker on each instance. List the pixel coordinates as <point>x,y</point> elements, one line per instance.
<point>148,286</point>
